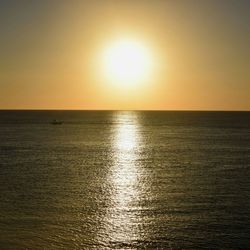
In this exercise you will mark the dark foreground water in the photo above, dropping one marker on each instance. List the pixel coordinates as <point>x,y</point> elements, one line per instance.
<point>124,180</point>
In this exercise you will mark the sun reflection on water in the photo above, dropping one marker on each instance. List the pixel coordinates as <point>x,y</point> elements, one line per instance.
<point>124,179</point>
<point>125,171</point>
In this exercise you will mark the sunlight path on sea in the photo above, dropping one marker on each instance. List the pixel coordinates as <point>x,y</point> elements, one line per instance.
<point>122,217</point>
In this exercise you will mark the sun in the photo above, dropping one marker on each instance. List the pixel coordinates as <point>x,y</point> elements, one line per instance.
<point>127,62</point>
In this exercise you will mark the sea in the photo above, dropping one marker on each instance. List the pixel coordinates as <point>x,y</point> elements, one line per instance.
<point>124,180</point>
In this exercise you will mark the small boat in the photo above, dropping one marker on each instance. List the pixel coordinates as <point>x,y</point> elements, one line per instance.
<point>56,122</point>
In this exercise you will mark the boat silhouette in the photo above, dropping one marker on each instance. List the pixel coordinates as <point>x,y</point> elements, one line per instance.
<point>56,122</point>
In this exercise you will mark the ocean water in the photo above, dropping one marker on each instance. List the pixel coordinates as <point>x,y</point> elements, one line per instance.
<point>124,180</point>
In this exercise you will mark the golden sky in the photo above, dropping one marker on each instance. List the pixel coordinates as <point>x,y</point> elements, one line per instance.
<point>51,54</point>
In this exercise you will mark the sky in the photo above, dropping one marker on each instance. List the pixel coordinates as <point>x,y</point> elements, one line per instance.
<point>50,54</point>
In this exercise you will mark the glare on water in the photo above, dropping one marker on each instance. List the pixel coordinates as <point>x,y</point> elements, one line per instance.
<point>124,178</point>
<point>125,172</point>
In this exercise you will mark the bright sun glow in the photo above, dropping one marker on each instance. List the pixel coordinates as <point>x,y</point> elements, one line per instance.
<point>127,63</point>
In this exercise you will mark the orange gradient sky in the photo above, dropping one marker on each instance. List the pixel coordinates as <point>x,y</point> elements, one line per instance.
<point>51,54</point>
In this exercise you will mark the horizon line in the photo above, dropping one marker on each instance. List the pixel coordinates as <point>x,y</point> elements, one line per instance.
<point>156,110</point>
